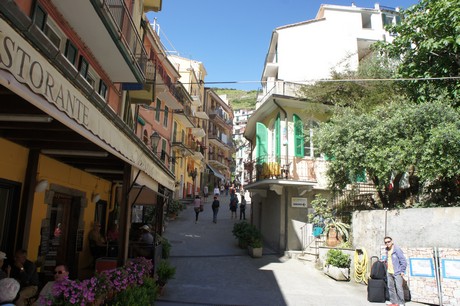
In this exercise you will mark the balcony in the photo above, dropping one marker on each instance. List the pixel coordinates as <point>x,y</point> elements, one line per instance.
<point>108,25</point>
<point>217,116</point>
<point>291,168</point>
<point>279,88</point>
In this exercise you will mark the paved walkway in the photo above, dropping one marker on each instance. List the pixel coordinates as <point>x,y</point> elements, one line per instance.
<point>212,270</point>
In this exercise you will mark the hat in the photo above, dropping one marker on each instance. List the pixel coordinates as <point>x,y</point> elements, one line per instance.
<point>2,255</point>
<point>10,289</point>
<point>145,227</point>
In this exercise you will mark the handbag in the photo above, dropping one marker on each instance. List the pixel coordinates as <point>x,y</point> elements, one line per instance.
<point>201,207</point>
<point>407,295</point>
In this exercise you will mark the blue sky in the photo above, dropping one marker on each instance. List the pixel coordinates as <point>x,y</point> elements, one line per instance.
<point>231,37</point>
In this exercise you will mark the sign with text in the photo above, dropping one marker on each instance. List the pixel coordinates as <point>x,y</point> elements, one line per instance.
<point>299,202</point>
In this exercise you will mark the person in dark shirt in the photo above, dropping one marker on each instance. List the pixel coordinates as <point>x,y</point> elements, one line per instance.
<point>215,209</point>
<point>25,272</point>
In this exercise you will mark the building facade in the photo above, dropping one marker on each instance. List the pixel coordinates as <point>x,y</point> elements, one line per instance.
<point>285,170</point>
<point>242,145</point>
<point>73,151</point>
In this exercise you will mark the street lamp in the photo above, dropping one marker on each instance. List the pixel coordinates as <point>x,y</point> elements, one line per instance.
<point>154,139</point>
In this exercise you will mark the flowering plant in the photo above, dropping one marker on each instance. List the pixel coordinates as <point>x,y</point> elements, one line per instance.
<point>76,292</point>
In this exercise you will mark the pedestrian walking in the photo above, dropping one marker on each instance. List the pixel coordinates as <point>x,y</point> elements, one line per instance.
<point>216,191</point>
<point>233,204</point>
<point>243,208</point>
<point>396,262</point>
<point>227,187</point>
<point>205,193</point>
<point>197,206</point>
<point>215,209</point>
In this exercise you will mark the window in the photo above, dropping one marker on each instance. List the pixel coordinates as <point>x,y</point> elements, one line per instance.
<point>366,20</point>
<point>40,17</point>
<point>70,52</point>
<point>83,69</point>
<point>298,137</point>
<point>165,118</point>
<point>145,138</point>
<point>309,149</point>
<point>102,89</point>
<point>158,109</point>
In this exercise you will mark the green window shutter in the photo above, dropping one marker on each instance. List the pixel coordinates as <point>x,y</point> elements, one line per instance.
<point>384,19</point>
<point>361,177</point>
<point>157,114</point>
<point>278,137</point>
<point>298,137</point>
<point>261,143</point>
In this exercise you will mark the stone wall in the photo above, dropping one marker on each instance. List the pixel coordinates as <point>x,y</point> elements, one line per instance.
<point>428,236</point>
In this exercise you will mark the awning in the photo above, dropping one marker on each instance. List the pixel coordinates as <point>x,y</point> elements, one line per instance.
<point>54,99</point>
<point>216,173</point>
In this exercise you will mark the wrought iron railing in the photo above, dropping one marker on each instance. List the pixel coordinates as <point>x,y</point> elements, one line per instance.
<point>284,167</point>
<point>127,31</point>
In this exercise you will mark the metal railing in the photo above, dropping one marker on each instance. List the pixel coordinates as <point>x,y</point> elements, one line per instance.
<point>276,167</point>
<point>127,31</point>
<point>281,88</point>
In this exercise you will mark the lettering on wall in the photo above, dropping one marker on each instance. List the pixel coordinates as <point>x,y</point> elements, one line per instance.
<point>41,77</point>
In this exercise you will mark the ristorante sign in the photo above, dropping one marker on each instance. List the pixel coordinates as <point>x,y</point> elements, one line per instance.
<point>40,77</point>
<point>67,104</point>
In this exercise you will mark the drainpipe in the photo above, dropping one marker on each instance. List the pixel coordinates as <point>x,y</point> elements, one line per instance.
<point>286,219</point>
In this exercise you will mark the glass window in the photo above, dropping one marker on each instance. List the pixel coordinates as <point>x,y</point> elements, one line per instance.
<point>40,17</point>
<point>102,89</point>
<point>158,109</point>
<point>309,149</point>
<point>83,67</point>
<point>165,118</point>
<point>71,52</point>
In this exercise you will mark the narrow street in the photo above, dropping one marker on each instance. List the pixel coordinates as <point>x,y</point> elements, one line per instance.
<point>213,270</point>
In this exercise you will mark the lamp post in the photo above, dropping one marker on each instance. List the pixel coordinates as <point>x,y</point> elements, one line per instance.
<point>154,139</point>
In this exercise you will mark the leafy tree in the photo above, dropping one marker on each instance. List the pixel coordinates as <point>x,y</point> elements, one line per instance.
<point>353,88</point>
<point>427,41</point>
<point>388,140</point>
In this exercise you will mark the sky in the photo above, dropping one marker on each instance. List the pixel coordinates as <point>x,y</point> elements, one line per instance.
<point>231,37</point>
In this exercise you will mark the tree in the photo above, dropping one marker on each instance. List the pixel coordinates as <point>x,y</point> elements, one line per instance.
<point>427,42</point>
<point>385,142</point>
<point>353,89</point>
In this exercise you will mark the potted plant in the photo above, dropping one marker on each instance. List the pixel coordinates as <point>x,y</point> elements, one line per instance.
<point>255,242</point>
<point>337,265</point>
<point>323,217</point>
<point>173,209</point>
<point>164,273</point>
<point>241,232</point>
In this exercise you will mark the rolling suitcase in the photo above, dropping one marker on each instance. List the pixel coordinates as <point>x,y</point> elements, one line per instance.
<point>376,290</point>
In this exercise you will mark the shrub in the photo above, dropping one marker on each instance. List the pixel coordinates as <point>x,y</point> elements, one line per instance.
<point>338,258</point>
<point>137,295</point>
<point>165,272</point>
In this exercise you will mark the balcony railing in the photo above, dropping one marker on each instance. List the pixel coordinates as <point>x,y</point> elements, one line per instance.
<point>127,31</point>
<point>280,88</point>
<point>290,168</point>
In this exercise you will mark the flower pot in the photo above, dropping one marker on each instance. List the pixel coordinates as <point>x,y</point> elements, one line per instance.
<point>255,252</point>
<point>339,274</point>
<point>243,244</point>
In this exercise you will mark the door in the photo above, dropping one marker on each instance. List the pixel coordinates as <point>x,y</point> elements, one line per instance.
<point>62,233</point>
<point>9,209</point>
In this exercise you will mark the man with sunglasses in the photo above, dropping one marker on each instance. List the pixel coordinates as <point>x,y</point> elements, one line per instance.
<point>397,264</point>
<point>61,273</point>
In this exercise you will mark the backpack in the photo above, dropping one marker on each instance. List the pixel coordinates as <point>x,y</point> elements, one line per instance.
<point>378,270</point>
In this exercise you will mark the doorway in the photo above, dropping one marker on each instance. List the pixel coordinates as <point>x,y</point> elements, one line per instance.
<point>60,238</point>
<point>9,210</point>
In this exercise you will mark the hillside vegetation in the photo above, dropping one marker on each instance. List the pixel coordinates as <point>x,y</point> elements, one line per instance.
<point>239,99</point>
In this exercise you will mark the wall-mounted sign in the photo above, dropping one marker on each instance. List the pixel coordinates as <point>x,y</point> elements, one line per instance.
<point>299,202</point>
<point>422,267</point>
<point>450,268</point>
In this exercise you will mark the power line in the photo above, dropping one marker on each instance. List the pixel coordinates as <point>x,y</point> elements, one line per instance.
<point>307,82</point>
